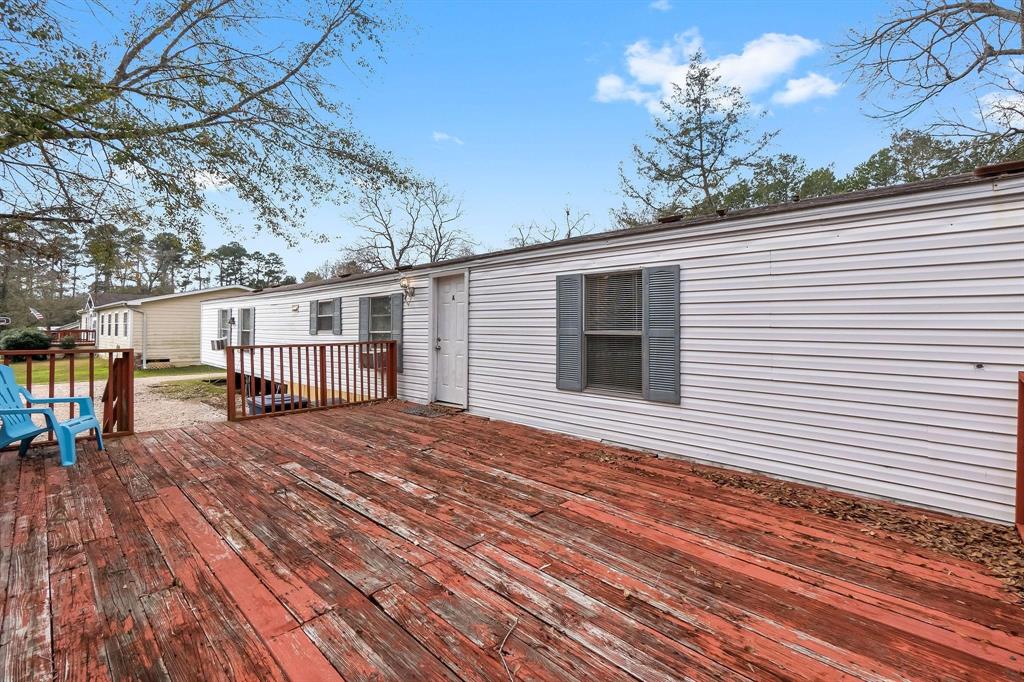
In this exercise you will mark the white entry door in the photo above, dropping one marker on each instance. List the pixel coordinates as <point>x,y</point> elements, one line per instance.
<point>450,342</point>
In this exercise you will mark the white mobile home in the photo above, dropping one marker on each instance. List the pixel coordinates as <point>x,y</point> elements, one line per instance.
<point>162,329</point>
<point>868,342</point>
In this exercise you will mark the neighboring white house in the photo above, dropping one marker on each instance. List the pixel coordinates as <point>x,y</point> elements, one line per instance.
<point>163,329</point>
<point>868,342</point>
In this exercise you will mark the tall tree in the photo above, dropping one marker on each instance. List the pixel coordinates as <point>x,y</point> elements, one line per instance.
<point>230,260</point>
<point>191,96</point>
<point>167,257</point>
<point>704,140</point>
<point>926,49</point>
<point>405,224</point>
<point>913,155</point>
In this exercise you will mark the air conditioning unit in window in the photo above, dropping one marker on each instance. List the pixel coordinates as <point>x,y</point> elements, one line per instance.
<point>218,344</point>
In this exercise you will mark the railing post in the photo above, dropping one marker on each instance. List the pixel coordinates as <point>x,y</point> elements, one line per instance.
<point>129,391</point>
<point>1019,516</point>
<point>230,385</point>
<point>323,375</point>
<point>392,369</point>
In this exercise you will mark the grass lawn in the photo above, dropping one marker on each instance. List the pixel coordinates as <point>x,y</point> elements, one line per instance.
<point>61,368</point>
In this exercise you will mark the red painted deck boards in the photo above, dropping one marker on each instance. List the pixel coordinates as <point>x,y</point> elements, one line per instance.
<point>366,543</point>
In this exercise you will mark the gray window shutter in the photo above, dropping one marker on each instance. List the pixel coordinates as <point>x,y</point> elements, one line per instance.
<point>312,318</point>
<point>336,315</point>
<point>252,326</point>
<point>397,309</point>
<point>364,319</point>
<point>661,334</point>
<point>569,333</point>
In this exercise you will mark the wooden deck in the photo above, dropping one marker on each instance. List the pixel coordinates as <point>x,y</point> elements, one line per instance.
<point>365,543</point>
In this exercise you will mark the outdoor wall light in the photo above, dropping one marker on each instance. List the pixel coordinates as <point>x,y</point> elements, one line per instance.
<point>407,288</point>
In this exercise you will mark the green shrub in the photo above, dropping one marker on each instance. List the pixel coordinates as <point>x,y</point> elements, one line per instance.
<point>67,342</point>
<point>24,339</point>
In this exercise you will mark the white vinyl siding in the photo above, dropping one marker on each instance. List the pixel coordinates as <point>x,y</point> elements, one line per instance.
<point>283,317</point>
<point>871,347</point>
<point>841,353</point>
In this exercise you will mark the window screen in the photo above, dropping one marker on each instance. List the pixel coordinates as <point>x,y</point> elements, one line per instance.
<point>325,316</point>
<point>380,318</point>
<point>613,331</point>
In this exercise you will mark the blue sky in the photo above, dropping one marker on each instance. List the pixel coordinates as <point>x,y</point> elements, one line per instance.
<point>514,86</point>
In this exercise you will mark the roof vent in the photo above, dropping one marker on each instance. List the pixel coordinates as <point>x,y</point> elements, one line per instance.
<point>1004,168</point>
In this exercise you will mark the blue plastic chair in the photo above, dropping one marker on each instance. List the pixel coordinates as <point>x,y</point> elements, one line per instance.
<point>18,424</point>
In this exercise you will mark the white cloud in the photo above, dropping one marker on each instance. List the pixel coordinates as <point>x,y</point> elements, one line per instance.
<point>661,5</point>
<point>654,70</point>
<point>441,137</point>
<point>809,87</point>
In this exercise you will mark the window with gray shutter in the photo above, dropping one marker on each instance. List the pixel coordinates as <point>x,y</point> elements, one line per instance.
<point>380,319</point>
<point>619,332</point>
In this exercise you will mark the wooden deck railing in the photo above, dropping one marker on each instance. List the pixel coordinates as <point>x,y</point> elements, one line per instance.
<point>268,380</point>
<point>107,376</point>
<point>82,337</point>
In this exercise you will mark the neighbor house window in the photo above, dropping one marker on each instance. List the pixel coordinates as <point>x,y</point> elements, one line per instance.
<point>613,332</point>
<point>246,326</point>
<point>380,318</point>
<point>223,318</point>
<point>325,316</point>
<point>125,322</point>
<point>117,325</point>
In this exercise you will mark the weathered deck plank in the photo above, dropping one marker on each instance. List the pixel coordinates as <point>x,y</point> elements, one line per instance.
<point>366,543</point>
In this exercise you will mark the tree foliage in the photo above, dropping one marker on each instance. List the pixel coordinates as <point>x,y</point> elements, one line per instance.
<point>188,97</point>
<point>704,140</point>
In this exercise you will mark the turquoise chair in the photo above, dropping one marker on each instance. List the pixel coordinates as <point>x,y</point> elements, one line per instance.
<point>18,424</point>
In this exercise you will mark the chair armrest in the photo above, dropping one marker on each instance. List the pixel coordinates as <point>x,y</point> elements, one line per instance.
<point>72,399</point>
<point>85,404</point>
<point>27,410</point>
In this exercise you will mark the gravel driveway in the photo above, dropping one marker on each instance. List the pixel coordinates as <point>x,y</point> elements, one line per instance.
<point>153,411</point>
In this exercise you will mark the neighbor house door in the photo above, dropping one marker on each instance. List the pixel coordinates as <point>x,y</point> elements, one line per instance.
<point>450,307</point>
